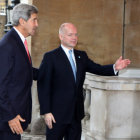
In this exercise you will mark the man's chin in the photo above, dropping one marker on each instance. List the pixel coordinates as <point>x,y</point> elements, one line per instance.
<point>72,46</point>
<point>33,32</point>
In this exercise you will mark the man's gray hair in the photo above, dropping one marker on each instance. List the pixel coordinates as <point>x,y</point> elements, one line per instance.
<point>62,27</point>
<point>23,11</point>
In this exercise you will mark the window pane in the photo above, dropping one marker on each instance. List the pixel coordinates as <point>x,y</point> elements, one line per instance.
<point>2,7</point>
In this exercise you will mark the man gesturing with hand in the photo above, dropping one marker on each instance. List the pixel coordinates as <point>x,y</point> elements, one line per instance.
<point>60,85</point>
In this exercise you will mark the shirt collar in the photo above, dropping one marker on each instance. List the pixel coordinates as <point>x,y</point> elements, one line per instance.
<point>66,50</point>
<point>20,35</point>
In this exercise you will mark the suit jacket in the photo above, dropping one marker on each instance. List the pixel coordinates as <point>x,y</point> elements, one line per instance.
<point>57,90</point>
<point>16,74</point>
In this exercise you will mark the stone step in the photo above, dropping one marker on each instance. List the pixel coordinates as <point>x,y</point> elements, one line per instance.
<point>27,136</point>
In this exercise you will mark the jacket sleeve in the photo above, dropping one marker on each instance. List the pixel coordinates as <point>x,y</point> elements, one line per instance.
<point>92,67</point>
<point>44,85</point>
<point>7,111</point>
<point>35,73</point>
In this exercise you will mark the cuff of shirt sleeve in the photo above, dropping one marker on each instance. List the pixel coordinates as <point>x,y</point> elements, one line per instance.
<point>115,71</point>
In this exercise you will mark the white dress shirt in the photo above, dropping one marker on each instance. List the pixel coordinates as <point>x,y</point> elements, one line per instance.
<point>20,35</point>
<point>66,50</point>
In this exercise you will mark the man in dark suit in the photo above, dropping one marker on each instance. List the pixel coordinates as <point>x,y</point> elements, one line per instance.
<point>60,85</point>
<point>16,73</point>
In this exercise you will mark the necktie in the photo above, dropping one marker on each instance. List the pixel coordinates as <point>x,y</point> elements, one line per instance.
<point>72,64</point>
<point>26,47</point>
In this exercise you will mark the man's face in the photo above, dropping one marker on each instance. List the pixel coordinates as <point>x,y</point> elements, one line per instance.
<point>69,36</point>
<point>30,25</point>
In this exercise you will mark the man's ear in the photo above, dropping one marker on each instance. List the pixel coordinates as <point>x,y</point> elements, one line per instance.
<point>60,36</point>
<point>21,21</point>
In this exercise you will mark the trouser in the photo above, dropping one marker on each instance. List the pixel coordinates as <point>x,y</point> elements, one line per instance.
<point>70,131</point>
<point>7,135</point>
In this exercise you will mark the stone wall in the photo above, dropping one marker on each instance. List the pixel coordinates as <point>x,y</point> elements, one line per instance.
<point>132,32</point>
<point>100,27</point>
<point>100,32</point>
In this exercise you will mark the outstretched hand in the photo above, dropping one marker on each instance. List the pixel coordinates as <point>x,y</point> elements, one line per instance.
<point>121,63</point>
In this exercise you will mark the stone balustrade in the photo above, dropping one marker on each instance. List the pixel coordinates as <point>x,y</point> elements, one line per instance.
<point>112,108</point>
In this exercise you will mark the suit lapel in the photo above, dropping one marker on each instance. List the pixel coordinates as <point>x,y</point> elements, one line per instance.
<point>66,61</point>
<point>78,62</point>
<point>21,46</point>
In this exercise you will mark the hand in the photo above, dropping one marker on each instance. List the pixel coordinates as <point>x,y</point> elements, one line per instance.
<point>121,63</point>
<point>15,125</point>
<point>49,118</point>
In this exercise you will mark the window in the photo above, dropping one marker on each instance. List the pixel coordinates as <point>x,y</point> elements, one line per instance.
<point>2,7</point>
